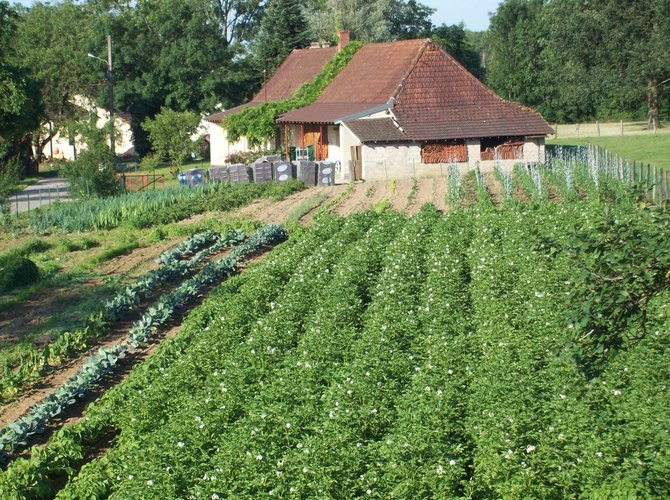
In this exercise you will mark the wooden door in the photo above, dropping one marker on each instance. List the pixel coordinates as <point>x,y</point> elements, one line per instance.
<point>357,162</point>
<point>317,137</point>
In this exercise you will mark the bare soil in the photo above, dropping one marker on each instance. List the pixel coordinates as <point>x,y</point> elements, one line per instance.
<point>494,189</point>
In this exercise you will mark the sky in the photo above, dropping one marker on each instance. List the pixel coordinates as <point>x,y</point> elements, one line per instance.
<point>474,13</point>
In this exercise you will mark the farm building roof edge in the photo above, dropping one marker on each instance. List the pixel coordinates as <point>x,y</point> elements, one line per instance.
<point>422,84</point>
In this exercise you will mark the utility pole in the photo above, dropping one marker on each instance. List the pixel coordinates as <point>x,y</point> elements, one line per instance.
<point>110,91</point>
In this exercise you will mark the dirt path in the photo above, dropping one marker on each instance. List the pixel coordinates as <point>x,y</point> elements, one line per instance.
<point>138,258</point>
<point>280,211</point>
<point>332,193</point>
<point>440,187</point>
<point>424,194</point>
<point>495,189</point>
<point>399,198</point>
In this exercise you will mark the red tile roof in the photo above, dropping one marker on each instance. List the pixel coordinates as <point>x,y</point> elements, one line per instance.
<point>301,66</point>
<point>372,76</point>
<point>325,112</point>
<point>441,100</point>
<point>376,130</point>
<point>433,96</point>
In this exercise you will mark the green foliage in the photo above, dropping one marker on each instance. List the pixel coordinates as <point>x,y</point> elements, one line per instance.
<point>170,134</point>
<point>575,60</point>
<point>258,123</point>
<point>17,271</point>
<point>10,174</point>
<point>454,40</point>
<point>178,54</point>
<point>283,29</point>
<point>625,264</point>
<point>93,173</point>
<point>410,19</point>
<point>425,357</point>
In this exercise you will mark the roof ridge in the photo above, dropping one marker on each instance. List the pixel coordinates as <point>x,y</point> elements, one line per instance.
<point>486,87</point>
<point>422,49</point>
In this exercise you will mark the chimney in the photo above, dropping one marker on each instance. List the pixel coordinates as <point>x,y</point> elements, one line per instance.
<point>344,39</point>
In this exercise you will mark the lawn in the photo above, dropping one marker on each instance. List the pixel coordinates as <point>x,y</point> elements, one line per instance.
<point>651,149</point>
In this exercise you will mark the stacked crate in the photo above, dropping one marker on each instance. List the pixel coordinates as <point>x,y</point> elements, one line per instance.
<point>239,173</point>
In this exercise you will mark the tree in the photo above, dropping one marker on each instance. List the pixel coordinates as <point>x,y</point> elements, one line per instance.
<point>170,134</point>
<point>19,111</point>
<point>93,173</point>
<point>366,20</point>
<point>454,40</point>
<point>179,54</point>
<point>283,28</point>
<point>410,20</point>
<point>51,44</point>
<point>514,55</point>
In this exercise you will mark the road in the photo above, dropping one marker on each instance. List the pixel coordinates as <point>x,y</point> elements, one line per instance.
<point>39,194</point>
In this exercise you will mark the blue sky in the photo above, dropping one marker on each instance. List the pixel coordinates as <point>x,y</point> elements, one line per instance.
<point>474,13</point>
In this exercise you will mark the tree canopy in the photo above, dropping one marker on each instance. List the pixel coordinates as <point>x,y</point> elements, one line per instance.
<point>579,59</point>
<point>571,60</point>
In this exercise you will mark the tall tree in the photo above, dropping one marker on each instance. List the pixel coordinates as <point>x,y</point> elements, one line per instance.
<point>20,110</point>
<point>454,40</point>
<point>51,43</point>
<point>410,19</point>
<point>516,65</point>
<point>179,54</point>
<point>283,28</point>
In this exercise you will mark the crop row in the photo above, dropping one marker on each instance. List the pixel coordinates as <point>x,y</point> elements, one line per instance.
<point>238,301</point>
<point>152,208</point>
<point>384,357</point>
<point>91,373</point>
<point>32,365</point>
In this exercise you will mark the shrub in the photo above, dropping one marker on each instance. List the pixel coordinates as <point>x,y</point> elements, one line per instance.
<point>93,174</point>
<point>16,271</point>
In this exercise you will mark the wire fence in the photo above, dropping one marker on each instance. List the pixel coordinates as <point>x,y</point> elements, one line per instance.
<point>654,181</point>
<point>30,199</point>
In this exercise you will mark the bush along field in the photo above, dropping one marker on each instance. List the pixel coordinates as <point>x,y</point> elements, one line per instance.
<point>510,351</point>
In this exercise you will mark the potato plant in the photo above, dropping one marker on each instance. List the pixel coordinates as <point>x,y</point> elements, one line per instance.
<point>436,356</point>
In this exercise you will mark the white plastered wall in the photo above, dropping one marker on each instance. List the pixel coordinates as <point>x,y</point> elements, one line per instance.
<point>221,148</point>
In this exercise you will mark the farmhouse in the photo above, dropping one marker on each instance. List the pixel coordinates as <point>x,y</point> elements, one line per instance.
<point>408,108</point>
<point>300,67</point>
<point>62,147</point>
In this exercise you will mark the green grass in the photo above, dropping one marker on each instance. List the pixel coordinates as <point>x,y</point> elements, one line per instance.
<point>651,149</point>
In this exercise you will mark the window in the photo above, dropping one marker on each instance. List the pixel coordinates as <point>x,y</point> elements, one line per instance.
<point>441,152</point>
<point>502,148</point>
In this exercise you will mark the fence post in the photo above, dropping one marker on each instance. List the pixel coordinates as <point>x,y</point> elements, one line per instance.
<point>621,122</point>
<point>598,127</point>
<point>577,130</point>
<point>556,131</point>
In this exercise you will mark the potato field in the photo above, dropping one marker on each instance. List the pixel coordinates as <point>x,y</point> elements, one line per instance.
<point>512,346</point>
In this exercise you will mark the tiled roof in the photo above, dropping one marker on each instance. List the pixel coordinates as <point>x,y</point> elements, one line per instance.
<point>374,73</point>
<point>441,100</point>
<point>301,66</point>
<point>371,78</point>
<point>433,96</point>
<point>376,130</point>
<point>325,112</point>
